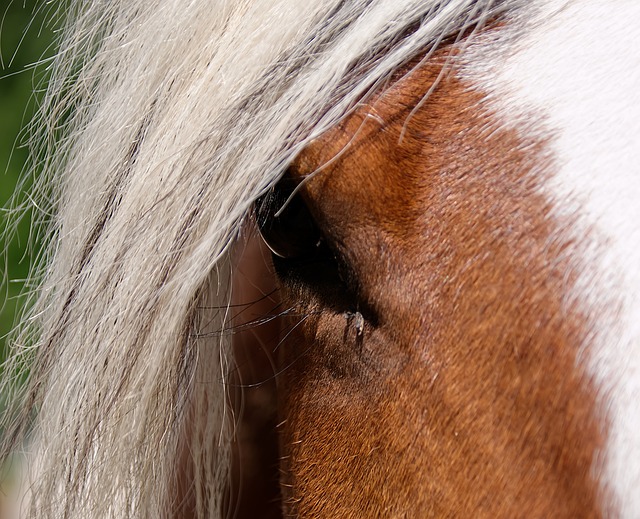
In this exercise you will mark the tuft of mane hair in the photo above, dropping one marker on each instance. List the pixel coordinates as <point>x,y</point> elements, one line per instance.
<point>163,122</point>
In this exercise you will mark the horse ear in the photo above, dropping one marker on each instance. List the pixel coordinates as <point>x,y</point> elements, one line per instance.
<point>286,224</point>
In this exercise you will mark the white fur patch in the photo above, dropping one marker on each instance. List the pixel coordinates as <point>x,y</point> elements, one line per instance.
<point>579,66</point>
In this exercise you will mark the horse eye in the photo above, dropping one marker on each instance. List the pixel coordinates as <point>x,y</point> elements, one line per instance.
<point>292,234</point>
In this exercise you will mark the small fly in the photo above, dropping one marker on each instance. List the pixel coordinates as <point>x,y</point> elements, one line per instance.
<point>358,322</point>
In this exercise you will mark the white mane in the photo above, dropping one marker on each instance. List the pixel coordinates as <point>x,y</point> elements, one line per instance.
<point>165,120</point>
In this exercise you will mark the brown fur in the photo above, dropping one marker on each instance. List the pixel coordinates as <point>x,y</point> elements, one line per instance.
<point>255,490</point>
<point>464,395</point>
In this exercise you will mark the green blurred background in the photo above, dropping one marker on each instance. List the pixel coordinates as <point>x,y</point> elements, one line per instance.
<point>25,39</point>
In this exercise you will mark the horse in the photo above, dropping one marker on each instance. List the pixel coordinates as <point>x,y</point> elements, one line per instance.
<point>349,258</point>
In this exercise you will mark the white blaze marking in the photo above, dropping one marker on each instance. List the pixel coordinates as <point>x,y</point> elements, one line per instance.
<point>579,66</point>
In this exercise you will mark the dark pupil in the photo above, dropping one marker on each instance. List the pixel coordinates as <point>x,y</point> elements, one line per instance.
<point>293,233</point>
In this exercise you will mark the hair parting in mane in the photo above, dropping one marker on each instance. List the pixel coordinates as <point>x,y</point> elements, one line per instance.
<point>163,122</point>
